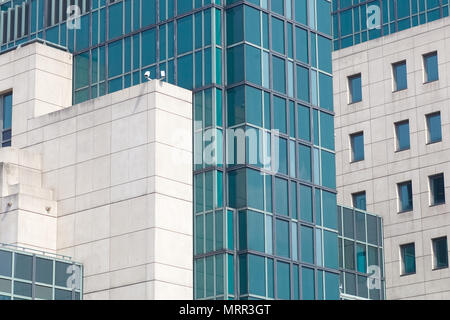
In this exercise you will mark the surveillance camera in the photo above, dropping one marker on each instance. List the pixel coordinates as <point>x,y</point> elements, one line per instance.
<point>147,75</point>
<point>163,74</point>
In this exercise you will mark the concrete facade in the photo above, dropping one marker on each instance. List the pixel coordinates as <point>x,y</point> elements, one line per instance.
<point>383,166</point>
<point>107,182</point>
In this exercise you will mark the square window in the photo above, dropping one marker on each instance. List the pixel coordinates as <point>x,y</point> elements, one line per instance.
<point>437,189</point>
<point>359,200</point>
<point>440,253</point>
<point>402,133</point>
<point>400,76</point>
<point>430,62</point>
<point>434,127</point>
<point>357,146</point>
<point>405,196</point>
<point>354,86</point>
<point>408,258</point>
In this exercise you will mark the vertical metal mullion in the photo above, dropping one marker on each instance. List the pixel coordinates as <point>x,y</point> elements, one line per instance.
<point>33,279</point>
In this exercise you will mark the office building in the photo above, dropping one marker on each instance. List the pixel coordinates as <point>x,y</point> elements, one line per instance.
<point>264,200</point>
<point>105,182</point>
<point>392,136</point>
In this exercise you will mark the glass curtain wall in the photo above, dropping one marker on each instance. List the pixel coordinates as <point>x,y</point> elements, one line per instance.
<point>257,67</point>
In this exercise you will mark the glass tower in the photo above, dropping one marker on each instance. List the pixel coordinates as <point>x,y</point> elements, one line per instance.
<point>265,214</point>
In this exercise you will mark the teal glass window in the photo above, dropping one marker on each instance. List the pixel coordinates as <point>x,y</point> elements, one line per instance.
<point>280,115</point>
<point>115,18</point>
<point>283,281</point>
<point>115,57</point>
<point>408,258</point>
<point>282,238</point>
<point>361,258</point>
<point>6,118</point>
<point>185,34</point>
<point>437,189</point>
<point>434,127</point>
<point>324,54</point>
<point>306,211</point>
<point>330,243</point>
<point>308,284</point>
<point>301,11</point>
<point>327,130</point>
<point>149,47</point>
<point>332,286</point>
<point>235,30</point>
<point>349,255</point>
<point>303,83</point>
<point>357,144</point>
<point>281,196</point>
<point>304,154</point>
<point>252,25</point>
<point>253,103</point>
<point>328,169</point>
<point>304,123</point>
<point>279,74</point>
<point>278,44</point>
<point>23,266</point>
<point>430,62</point>
<point>402,133</point>
<point>355,90</point>
<point>359,200</point>
<point>277,6</point>
<point>301,41</point>
<point>185,78</point>
<point>325,86</point>
<point>307,244</point>
<point>256,275</point>
<point>235,64</point>
<point>253,64</point>
<point>405,196</point>
<point>329,210</point>
<point>5,263</point>
<point>400,76</point>
<point>251,230</point>
<point>440,253</point>
<point>323,16</point>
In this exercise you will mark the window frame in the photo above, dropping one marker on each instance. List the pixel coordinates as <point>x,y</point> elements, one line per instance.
<point>354,195</point>
<point>427,123</point>
<point>352,152</point>
<point>425,68</point>
<point>397,137</point>
<point>399,201</point>
<point>433,248</point>
<point>350,88</point>
<point>431,189</point>
<point>402,259</point>
<point>394,76</point>
<point>2,130</point>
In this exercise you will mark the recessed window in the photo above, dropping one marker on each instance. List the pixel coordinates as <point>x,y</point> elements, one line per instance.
<point>405,196</point>
<point>437,189</point>
<point>357,145</point>
<point>400,78</point>
<point>359,200</point>
<point>6,119</point>
<point>408,258</point>
<point>434,127</point>
<point>402,133</point>
<point>354,86</point>
<point>430,62</point>
<point>440,253</point>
